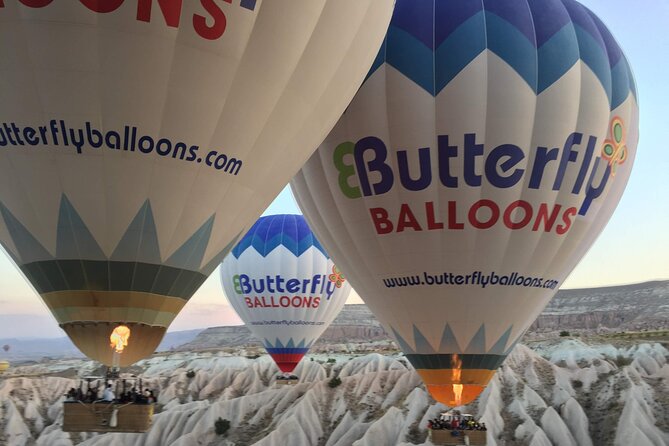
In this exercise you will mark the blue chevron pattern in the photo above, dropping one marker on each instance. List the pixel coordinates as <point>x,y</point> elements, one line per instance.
<point>268,233</point>
<point>278,346</point>
<point>74,240</point>
<point>432,41</point>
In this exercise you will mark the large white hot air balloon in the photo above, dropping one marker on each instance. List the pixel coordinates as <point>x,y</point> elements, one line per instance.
<point>284,286</point>
<point>481,158</point>
<point>139,138</point>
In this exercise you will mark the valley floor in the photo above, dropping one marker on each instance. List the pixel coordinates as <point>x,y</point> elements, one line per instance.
<point>557,393</point>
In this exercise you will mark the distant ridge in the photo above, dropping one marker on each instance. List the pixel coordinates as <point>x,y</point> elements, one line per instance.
<point>642,306</point>
<point>633,307</point>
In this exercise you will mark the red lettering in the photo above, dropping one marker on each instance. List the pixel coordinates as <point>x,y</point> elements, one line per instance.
<point>307,302</point>
<point>520,204</point>
<point>101,6</point>
<point>248,301</point>
<point>217,29</point>
<point>406,219</point>
<point>431,218</point>
<point>453,216</point>
<point>284,301</point>
<point>381,222</point>
<point>317,302</point>
<point>34,3</point>
<point>256,302</point>
<point>567,219</point>
<point>494,214</point>
<point>171,10</point>
<point>548,221</point>
<point>299,303</point>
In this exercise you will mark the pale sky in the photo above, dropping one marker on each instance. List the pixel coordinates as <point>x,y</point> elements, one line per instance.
<point>633,248</point>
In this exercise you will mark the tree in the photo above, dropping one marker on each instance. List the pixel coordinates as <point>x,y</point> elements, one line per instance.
<point>221,426</point>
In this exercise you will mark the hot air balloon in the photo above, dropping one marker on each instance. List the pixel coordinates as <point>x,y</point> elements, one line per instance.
<point>4,365</point>
<point>6,348</point>
<point>284,286</point>
<point>139,138</point>
<point>479,161</point>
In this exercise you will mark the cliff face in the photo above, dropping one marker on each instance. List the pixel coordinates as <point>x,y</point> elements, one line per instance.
<point>630,307</point>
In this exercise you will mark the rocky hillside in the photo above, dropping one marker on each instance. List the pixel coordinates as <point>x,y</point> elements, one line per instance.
<point>565,393</point>
<point>632,307</point>
<point>637,307</point>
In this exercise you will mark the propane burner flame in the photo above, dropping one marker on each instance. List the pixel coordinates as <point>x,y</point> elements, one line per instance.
<point>457,372</point>
<point>119,338</point>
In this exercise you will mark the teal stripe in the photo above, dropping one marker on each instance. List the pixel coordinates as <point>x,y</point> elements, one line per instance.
<point>65,275</point>
<point>594,57</point>
<point>557,56</point>
<point>457,361</point>
<point>512,46</point>
<point>459,49</point>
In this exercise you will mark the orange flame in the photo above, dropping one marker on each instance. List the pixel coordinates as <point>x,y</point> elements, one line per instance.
<point>119,338</point>
<point>457,372</point>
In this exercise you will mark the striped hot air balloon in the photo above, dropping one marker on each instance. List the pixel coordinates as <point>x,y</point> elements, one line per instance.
<point>481,158</point>
<point>284,286</point>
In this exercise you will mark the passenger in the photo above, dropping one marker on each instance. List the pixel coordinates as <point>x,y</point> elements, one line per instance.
<point>483,428</point>
<point>90,396</point>
<point>71,395</point>
<point>151,398</point>
<point>134,396</point>
<point>108,394</point>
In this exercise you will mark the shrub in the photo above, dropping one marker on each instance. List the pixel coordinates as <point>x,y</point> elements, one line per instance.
<point>221,426</point>
<point>190,374</point>
<point>331,360</point>
<point>622,361</point>
<point>256,356</point>
<point>577,384</point>
<point>564,333</point>
<point>334,382</point>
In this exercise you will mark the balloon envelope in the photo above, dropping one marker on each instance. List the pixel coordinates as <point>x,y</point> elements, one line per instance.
<point>479,161</point>
<point>4,365</point>
<point>284,286</point>
<point>139,138</point>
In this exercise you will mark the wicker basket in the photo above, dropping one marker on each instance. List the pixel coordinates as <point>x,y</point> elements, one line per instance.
<point>95,417</point>
<point>443,437</point>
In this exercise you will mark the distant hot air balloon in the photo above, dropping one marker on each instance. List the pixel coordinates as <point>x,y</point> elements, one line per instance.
<point>6,347</point>
<point>139,138</point>
<point>4,365</point>
<point>284,286</point>
<point>479,161</point>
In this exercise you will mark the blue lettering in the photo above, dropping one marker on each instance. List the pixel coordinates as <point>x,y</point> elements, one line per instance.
<point>293,286</point>
<point>514,155</point>
<point>377,164</point>
<point>243,281</point>
<point>472,150</point>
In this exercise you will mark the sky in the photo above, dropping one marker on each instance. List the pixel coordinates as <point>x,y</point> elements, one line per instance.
<point>633,248</point>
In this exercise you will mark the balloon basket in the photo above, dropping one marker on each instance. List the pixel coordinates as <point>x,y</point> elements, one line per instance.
<point>447,437</point>
<point>286,381</point>
<point>106,417</point>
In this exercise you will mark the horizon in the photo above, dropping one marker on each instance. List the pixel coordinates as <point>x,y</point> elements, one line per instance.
<point>202,328</point>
